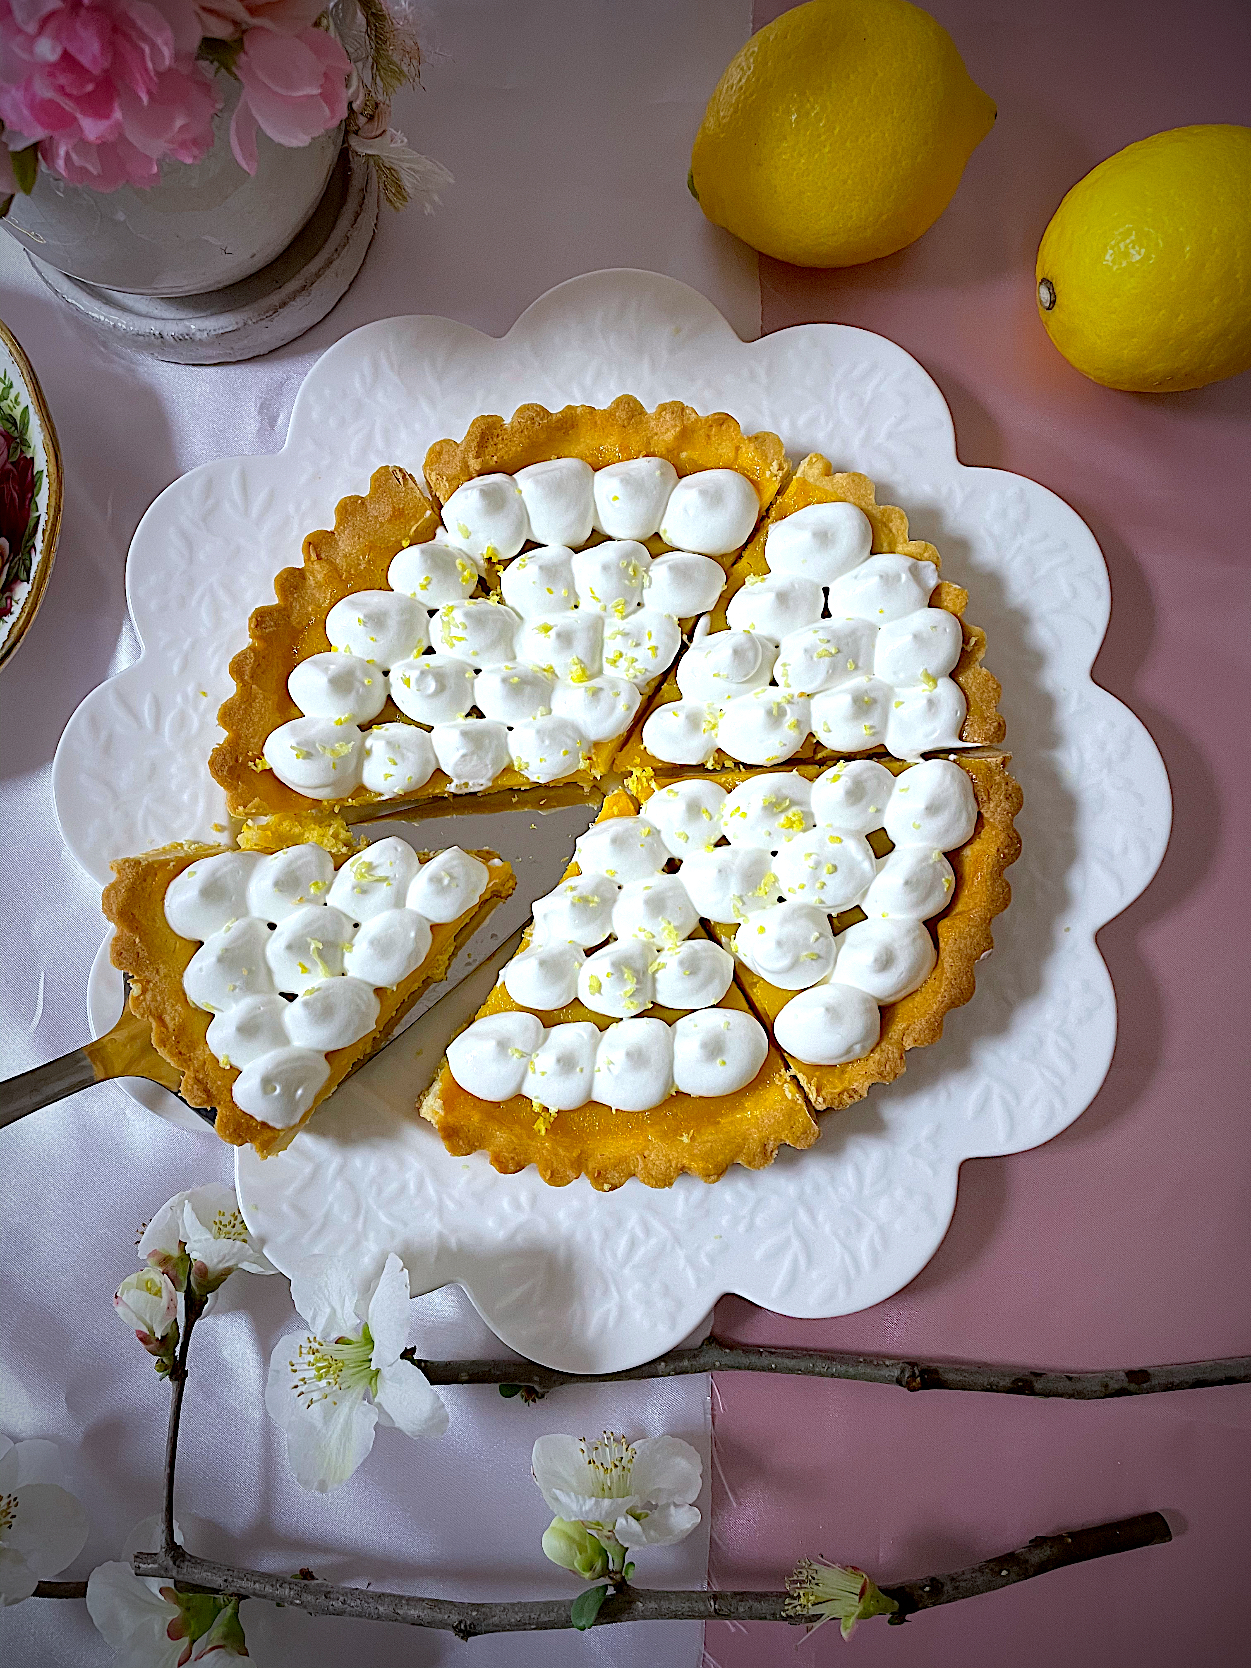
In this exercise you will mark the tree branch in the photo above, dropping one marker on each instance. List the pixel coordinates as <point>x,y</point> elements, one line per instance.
<point>635,1604</point>
<point>1043,1554</point>
<point>192,1307</point>
<point>713,1356</point>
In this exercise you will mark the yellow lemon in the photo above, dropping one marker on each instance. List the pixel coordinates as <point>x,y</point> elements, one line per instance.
<point>839,133</point>
<point>1144,274</point>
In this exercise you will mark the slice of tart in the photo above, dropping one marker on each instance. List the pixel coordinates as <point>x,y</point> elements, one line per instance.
<point>850,906</point>
<point>857,899</point>
<point>502,642</point>
<point>835,637</point>
<point>617,1042</point>
<point>268,976</point>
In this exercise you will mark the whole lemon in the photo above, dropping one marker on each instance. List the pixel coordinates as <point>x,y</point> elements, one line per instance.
<point>1144,274</point>
<point>839,133</point>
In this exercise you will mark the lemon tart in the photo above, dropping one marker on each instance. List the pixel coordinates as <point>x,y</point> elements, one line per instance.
<point>268,976</point>
<point>757,673</point>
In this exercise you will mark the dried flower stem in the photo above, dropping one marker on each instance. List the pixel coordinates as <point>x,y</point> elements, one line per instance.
<point>715,1357</point>
<point>635,1604</point>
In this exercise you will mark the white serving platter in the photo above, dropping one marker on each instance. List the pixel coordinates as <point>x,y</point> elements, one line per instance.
<point>576,1279</point>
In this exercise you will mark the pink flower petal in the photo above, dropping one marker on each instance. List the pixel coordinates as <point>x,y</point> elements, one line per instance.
<point>243,136</point>
<point>86,36</point>
<point>270,67</point>
<point>28,14</point>
<point>286,64</point>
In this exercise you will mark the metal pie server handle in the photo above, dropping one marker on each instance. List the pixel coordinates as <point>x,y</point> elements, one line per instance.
<point>125,1051</point>
<point>43,1084</point>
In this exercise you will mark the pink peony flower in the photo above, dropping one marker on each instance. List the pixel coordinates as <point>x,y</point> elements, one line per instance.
<point>108,88</point>
<point>294,86</point>
<point>222,20</point>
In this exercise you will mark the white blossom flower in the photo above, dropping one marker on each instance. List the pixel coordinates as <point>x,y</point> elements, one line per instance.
<point>42,1526</point>
<point>327,1391</point>
<point>639,1492</point>
<point>135,1619</point>
<point>209,1223</point>
<point>149,1624</point>
<point>835,1591</point>
<point>147,1303</point>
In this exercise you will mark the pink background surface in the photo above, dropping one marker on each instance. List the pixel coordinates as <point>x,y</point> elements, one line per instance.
<point>1124,1241</point>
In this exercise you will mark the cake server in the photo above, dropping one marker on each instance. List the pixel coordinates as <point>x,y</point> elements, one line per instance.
<point>127,1051</point>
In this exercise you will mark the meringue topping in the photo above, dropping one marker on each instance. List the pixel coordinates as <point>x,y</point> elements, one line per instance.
<point>287,923</point>
<point>487,517</point>
<point>559,500</point>
<point>379,627</point>
<point>711,512</point>
<point>630,497</point>
<point>822,542</point>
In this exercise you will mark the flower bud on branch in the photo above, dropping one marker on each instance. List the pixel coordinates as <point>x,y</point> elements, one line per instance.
<point>147,1303</point>
<point>834,1591</point>
<point>574,1547</point>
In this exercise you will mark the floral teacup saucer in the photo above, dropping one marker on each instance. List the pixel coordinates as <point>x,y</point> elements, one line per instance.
<point>30,494</point>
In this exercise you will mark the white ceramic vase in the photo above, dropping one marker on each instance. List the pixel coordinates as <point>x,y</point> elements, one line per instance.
<point>202,227</point>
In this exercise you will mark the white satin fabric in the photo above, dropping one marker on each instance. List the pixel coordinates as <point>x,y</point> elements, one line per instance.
<point>568,131</point>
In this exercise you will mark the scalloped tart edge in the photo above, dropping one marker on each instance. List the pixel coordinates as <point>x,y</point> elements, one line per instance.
<point>603,435</point>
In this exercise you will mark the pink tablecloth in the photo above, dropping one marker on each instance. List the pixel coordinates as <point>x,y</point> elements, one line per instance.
<point>1125,1240</point>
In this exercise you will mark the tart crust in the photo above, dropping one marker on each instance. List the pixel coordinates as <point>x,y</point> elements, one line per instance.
<point>146,947</point>
<point>962,935</point>
<point>816,482</point>
<point>696,1135</point>
<point>624,429</point>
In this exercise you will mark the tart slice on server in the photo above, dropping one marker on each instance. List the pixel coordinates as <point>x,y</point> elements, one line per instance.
<point>502,642</point>
<point>268,976</point>
<point>832,917</point>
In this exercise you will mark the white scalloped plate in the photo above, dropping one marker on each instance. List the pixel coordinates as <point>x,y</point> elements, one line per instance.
<point>595,1282</point>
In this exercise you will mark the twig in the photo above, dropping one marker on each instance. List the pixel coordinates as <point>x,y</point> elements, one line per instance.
<point>192,1307</point>
<point>1043,1554</point>
<point>467,1620</point>
<point>715,1357</point>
